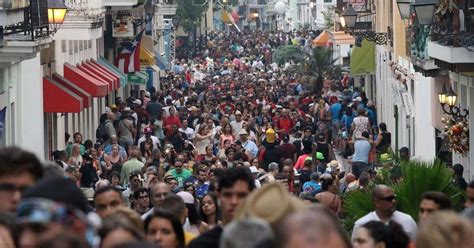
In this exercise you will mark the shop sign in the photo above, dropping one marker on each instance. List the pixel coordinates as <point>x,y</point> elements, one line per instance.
<point>122,24</point>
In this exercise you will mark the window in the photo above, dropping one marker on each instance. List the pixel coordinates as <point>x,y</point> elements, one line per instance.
<point>70,47</point>
<point>327,1</point>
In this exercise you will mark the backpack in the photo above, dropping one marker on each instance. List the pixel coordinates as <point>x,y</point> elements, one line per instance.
<point>101,133</point>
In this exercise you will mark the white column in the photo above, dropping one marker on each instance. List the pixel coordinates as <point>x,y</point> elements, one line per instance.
<point>425,105</point>
<point>29,107</point>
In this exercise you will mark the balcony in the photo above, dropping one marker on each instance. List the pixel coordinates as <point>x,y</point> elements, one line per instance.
<point>83,21</point>
<point>24,30</point>
<point>452,40</point>
<point>417,45</point>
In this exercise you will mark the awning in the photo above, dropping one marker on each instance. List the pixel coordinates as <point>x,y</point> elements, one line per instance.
<point>122,76</point>
<point>59,99</point>
<point>137,78</point>
<point>342,38</point>
<point>94,72</point>
<point>147,58</point>
<point>108,72</point>
<point>323,39</point>
<point>363,59</point>
<point>82,79</point>
<point>86,97</point>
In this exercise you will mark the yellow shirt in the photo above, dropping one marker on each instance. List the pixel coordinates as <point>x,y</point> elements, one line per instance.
<point>188,237</point>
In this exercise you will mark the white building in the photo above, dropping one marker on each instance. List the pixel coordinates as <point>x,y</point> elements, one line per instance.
<point>21,91</point>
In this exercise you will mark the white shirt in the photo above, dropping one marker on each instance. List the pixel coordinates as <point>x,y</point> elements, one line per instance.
<point>156,141</point>
<point>236,127</point>
<point>405,220</point>
<point>188,131</point>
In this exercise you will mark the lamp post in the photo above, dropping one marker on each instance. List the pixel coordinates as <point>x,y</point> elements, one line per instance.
<point>424,13</point>
<point>56,13</point>
<point>449,97</point>
<point>361,30</point>
<point>404,8</point>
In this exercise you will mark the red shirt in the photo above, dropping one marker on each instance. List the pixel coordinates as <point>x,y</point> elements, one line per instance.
<point>168,122</point>
<point>285,124</point>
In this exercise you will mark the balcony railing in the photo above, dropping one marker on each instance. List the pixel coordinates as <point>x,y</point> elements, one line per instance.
<point>85,8</point>
<point>450,29</point>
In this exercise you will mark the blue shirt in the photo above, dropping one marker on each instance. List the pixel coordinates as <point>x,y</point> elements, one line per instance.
<point>311,186</point>
<point>202,190</point>
<point>362,149</point>
<point>347,120</point>
<point>251,147</point>
<point>335,110</point>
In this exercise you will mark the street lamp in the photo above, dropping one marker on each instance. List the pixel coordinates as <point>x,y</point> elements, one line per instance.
<point>424,13</point>
<point>404,8</point>
<point>442,96</point>
<point>349,17</point>
<point>449,98</point>
<point>361,30</point>
<point>56,12</point>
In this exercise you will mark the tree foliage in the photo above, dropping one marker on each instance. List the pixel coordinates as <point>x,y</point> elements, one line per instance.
<point>288,53</point>
<point>318,64</point>
<point>189,14</point>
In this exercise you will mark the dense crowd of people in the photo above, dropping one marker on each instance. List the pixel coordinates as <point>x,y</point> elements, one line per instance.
<point>232,151</point>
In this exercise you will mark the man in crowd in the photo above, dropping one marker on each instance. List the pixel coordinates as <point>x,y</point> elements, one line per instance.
<point>233,187</point>
<point>107,200</point>
<point>179,172</point>
<point>19,170</point>
<point>158,193</point>
<point>77,140</point>
<point>432,201</point>
<point>131,165</point>
<point>384,199</point>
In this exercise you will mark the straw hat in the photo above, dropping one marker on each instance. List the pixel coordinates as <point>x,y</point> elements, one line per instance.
<point>271,203</point>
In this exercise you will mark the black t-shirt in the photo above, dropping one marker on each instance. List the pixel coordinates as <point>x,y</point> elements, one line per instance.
<point>89,175</point>
<point>209,239</point>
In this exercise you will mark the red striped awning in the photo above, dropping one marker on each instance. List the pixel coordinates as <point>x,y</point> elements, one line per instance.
<point>86,97</point>
<point>84,80</point>
<point>59,99</point>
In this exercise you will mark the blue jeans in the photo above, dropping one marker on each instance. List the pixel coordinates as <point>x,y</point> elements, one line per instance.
<point>358,167</point>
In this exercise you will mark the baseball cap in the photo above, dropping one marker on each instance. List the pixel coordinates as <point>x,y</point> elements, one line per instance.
<point>186,196</point>
<point>147,94</point>
<point>358,99</point>
<point>137,101</point>
<point>319,156</point>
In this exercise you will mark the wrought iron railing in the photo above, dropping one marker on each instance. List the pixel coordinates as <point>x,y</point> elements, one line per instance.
<point>451,29</point>
<point>85,8</point>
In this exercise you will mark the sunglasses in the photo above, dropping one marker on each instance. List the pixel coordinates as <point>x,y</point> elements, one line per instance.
<point>12,187</point>
<point>388,198</point>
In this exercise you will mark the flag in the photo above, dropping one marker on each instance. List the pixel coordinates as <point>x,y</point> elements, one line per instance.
<point>3,113</point>
<point>128,60</point>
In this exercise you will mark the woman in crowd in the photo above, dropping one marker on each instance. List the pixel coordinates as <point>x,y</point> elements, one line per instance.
<point>164,229</point>
<point>328,197</point>
<point>360,124</point>
<point>76,157</point>
<point>375,234</point>
<point>209,210</point>
<point>202,140</point>
<point>227,134</point>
